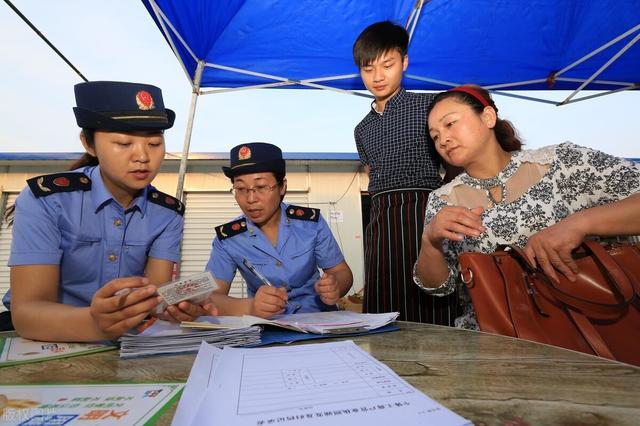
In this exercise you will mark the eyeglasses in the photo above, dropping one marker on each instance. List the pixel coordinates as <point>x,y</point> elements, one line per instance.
<point>257,190</point>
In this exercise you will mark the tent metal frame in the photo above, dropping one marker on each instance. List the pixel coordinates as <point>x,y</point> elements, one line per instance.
<point>279,81</point>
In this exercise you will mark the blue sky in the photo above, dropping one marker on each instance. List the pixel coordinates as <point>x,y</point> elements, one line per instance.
<point>117,40</point>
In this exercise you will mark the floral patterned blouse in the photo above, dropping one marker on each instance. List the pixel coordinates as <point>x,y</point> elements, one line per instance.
<point>572,178</point>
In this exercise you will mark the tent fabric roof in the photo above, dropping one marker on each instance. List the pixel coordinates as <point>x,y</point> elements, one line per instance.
<point>487,42</point>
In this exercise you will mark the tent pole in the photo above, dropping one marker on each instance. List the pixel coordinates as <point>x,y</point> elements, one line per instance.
<point>413,18</point>
<point>602,68</point>
<point>597,95</point>
<point>187,136</point>
<point>598,50</point>
<point>307,82</point>
<point>162,19</point>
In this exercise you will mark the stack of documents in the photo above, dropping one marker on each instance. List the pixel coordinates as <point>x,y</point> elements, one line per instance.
<point>334,383</point>
<point>336,322</point>
<point>164,337</point>
<point>167,338</point>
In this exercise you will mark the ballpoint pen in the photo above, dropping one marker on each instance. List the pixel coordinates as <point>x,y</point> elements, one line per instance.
<point>291,307</point>
<point>255,272</point>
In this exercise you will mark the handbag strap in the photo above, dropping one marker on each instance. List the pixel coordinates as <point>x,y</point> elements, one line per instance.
<point>590,334</point>
<point>620,284</point>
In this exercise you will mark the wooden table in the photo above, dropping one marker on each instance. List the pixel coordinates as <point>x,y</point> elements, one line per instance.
<point>489,379</point>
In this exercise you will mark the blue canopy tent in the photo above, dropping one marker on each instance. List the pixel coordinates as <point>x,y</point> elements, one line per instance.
<point>498,44</point>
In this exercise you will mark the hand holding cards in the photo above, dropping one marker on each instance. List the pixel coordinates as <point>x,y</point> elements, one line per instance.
<point>194,288</point>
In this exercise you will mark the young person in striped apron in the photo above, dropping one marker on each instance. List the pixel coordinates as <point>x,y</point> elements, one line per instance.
<point>403,167</point>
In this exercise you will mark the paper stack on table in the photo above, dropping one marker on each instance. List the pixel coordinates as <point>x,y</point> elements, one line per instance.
<point>164,337</point>
<point>321,384</point>
<point>336,322</point>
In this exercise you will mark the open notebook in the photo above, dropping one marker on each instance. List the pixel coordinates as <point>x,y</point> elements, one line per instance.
<point>336,322</point>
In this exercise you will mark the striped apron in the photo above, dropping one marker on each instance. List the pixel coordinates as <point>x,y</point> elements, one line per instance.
<point>392,242</point>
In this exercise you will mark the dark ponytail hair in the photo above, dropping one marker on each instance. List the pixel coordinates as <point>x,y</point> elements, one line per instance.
<point>506,133</point>
<point>86,160</point>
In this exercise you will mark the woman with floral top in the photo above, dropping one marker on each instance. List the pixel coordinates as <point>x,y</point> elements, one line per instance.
<point>546,200</point>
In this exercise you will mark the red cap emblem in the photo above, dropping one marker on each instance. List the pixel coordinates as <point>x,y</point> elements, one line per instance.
<point>299,212</point>
<point>244,153</point>
<point>144,100</point>
<point>170,201</point>
<point>235,226</point>
<point>61,181</point>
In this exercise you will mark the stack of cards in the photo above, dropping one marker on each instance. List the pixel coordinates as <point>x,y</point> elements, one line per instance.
<point>194,288</point>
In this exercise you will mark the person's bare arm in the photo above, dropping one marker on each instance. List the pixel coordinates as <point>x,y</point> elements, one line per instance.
<point>37,314</point>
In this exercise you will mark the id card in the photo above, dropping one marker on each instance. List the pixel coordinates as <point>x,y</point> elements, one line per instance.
<point>194,288</point>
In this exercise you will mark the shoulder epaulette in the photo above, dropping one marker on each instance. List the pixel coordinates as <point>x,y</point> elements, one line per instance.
<point>44,185</point>
<point>303,213</point>
<point>165,200</point>
<point>231,229</point>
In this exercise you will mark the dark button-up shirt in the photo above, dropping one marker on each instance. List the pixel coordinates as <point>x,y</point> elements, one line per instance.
<point>396,147</point>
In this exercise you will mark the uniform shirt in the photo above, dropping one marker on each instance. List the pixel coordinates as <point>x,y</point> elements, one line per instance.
<point>396,147</point>
<point>303,246</point>
<point>91,237</point>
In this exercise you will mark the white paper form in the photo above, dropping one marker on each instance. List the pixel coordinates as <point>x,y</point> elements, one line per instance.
<point>200,379</point>
<point>326,322</point>
<point>314,384</point>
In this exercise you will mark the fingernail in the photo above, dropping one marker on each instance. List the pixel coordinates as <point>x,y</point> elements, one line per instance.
<point>122,292</point>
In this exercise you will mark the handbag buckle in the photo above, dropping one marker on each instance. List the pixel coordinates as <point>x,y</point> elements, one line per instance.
<point>469,280</point>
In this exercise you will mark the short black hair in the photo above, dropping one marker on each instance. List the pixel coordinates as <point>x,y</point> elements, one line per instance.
<point>377,39</point>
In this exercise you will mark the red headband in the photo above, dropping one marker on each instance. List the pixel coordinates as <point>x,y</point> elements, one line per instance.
<point>471,91</point>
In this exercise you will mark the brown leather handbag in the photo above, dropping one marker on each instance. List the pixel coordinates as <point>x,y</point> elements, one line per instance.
<point>597,314</point>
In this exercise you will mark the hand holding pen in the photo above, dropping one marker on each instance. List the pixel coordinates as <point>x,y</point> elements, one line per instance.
<point>269,300</point>
<point>328,289</point>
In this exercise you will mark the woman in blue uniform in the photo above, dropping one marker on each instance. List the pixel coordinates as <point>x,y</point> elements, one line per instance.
<point>277,248</point>
<point>90,244</point>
